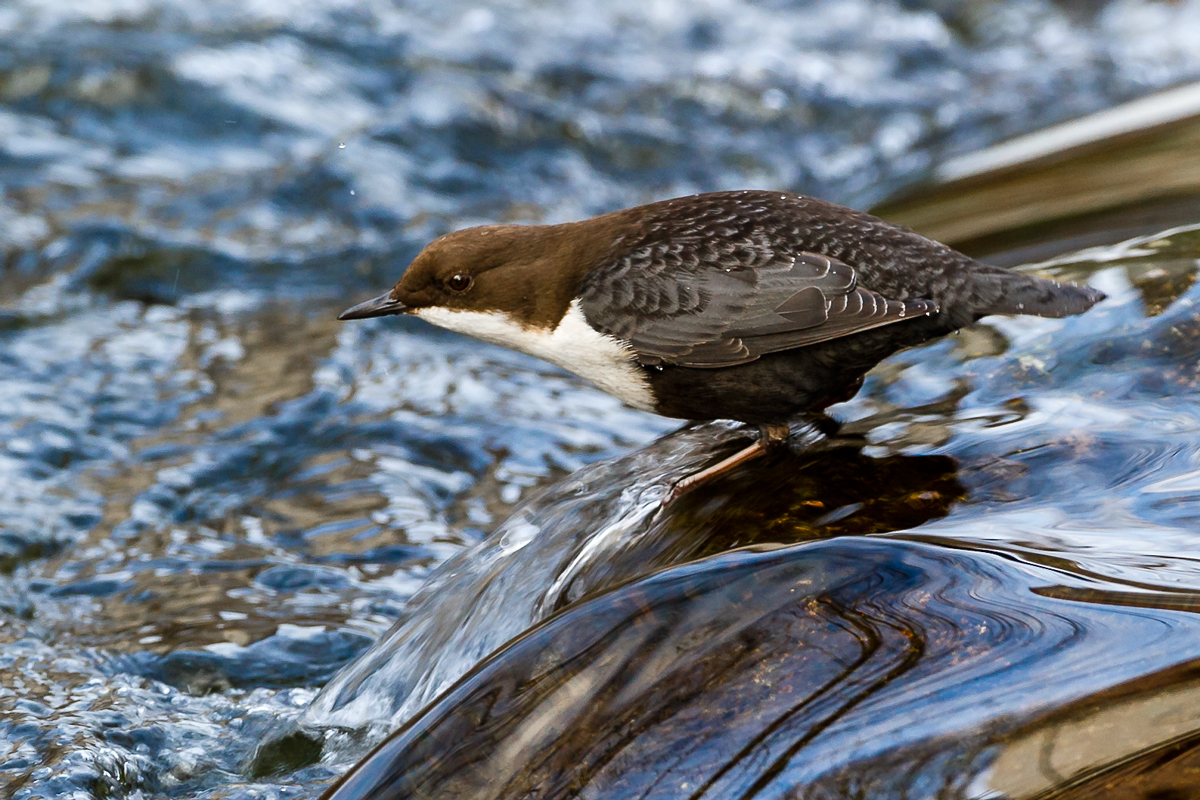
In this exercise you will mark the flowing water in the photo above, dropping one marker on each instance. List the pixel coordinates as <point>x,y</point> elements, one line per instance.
<point>213,496</point>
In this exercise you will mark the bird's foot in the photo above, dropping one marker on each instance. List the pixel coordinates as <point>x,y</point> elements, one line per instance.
<point>770,437</point>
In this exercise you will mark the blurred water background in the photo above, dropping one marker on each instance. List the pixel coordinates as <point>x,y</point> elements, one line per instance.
<point>213,496</point>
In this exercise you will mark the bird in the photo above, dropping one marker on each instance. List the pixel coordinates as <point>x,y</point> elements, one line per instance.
<point>763,307</point>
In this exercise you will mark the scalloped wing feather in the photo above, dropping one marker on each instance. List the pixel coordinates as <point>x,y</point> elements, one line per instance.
<point>674,305</point>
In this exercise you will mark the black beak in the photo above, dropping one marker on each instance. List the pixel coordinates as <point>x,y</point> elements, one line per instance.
<point>380,306</point>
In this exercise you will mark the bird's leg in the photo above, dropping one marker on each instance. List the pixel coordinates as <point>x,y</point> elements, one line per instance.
<point>769,438</point>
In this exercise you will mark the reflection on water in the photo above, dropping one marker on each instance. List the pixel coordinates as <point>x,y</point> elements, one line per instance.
<point>213,497</point>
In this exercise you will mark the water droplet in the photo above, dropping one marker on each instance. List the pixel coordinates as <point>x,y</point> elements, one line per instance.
<point>351,192</point>
<point>341,145</point>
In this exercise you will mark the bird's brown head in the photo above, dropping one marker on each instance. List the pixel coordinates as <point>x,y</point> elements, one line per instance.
<point>528,272</point>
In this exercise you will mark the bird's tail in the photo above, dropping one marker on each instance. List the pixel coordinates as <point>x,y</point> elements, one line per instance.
<point>1006,292</point>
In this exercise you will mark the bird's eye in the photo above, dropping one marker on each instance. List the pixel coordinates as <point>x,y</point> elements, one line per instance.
<point>460,282</point>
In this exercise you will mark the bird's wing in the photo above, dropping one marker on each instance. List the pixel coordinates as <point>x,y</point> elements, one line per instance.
<point>707,306</point>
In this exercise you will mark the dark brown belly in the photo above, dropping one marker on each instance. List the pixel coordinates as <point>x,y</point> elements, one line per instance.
<point>783,386</point>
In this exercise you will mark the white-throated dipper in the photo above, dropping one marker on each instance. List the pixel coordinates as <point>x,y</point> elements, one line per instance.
<point>755,306</point>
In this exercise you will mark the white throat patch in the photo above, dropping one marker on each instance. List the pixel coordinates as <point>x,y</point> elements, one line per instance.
<point>573,345</point>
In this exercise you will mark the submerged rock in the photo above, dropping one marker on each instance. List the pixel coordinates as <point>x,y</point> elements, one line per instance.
<point>846,668</point>
<point>605,526</point>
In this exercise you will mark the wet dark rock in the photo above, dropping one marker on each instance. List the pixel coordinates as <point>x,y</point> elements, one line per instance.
<point>772,673</point>
<point>830,490</point>
<point>278,661</point>
<point>285,754</point>
<point>541,560</point>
